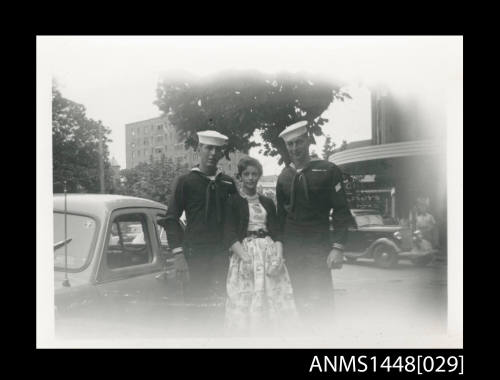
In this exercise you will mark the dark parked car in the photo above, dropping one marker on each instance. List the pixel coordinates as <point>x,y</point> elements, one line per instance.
<point>370,237</point>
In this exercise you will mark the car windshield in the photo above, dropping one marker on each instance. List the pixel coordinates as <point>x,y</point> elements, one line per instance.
<point>369,220</point>
<point>79,237</point>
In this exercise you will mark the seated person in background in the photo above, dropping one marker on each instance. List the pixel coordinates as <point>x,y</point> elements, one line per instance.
<point>420,219</point>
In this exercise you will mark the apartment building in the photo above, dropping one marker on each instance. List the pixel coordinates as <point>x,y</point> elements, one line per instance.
<point>152,138</point>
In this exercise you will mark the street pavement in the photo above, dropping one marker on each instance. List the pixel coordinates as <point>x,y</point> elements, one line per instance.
<point>400,305</point>
<point>405,306</point>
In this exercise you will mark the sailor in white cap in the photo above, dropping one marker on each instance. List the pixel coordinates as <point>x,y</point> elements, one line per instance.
<point>293,131</point>
<point>213,138</point>
<point>201,194</point>
<point>307,190</point>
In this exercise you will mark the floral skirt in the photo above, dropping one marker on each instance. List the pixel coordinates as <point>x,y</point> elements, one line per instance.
<point>258,298</point>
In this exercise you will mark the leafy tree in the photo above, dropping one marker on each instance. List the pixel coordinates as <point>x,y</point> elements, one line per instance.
<point>328,147</point>
<point>238,104</point>
<point>75,147</point>
<point>151,180</point>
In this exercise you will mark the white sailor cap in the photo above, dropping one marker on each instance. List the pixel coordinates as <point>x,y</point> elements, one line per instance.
<point>294,130</point>
<point>211,138</point>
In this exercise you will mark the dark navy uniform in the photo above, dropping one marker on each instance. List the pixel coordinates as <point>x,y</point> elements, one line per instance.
<point>203,200</point>
<point>305,199</point>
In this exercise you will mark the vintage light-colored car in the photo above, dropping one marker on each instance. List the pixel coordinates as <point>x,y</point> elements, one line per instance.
<point>103,273</point>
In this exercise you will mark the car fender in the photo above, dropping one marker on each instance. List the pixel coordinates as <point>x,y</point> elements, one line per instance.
<point>383,241</point>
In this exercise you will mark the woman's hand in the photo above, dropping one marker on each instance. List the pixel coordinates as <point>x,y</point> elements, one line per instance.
<point>279,248</point>
<point>276,262</point>
<point>238,249</point>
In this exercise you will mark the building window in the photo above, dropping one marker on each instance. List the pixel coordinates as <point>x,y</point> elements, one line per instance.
<point>159,127</point>
<point>146,142</point>
<point>158,151</point>
<point>133,154</point>
<point>159,139</point>
<point>133,145</point>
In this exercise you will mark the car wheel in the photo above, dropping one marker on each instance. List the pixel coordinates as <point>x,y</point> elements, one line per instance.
<point>385,256</point>
<point>422,261</point>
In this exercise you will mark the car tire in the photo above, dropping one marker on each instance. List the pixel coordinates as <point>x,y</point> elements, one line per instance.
<point>385,256</point>
<point>422,261</point>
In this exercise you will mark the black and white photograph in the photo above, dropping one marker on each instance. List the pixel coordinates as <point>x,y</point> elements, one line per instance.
<point>249,191</point>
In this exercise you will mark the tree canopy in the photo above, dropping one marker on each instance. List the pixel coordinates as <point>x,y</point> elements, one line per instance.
<point>75,147</point>
<point>239,103</point>
<point>328,147</point>
<point>151,180</point>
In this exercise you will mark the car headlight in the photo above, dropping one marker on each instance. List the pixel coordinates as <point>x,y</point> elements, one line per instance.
<point>397,235</point>
<point>417,235</point>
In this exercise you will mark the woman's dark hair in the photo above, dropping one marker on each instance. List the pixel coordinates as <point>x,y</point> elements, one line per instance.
<point>245,162</point>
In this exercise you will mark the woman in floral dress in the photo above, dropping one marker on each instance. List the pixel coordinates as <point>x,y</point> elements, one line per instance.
<point>259,293</point>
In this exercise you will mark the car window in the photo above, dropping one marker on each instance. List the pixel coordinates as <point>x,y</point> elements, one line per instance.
<point>161,233</point>
<point>128,242</point>
<point>369,220</point>
<point>80,234</point>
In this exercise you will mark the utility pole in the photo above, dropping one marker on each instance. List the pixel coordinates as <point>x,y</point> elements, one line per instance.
<point>101,161</point>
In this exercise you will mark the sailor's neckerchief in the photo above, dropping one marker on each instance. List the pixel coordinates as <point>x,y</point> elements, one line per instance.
<point>300,177</point>
<point>212,185</point>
